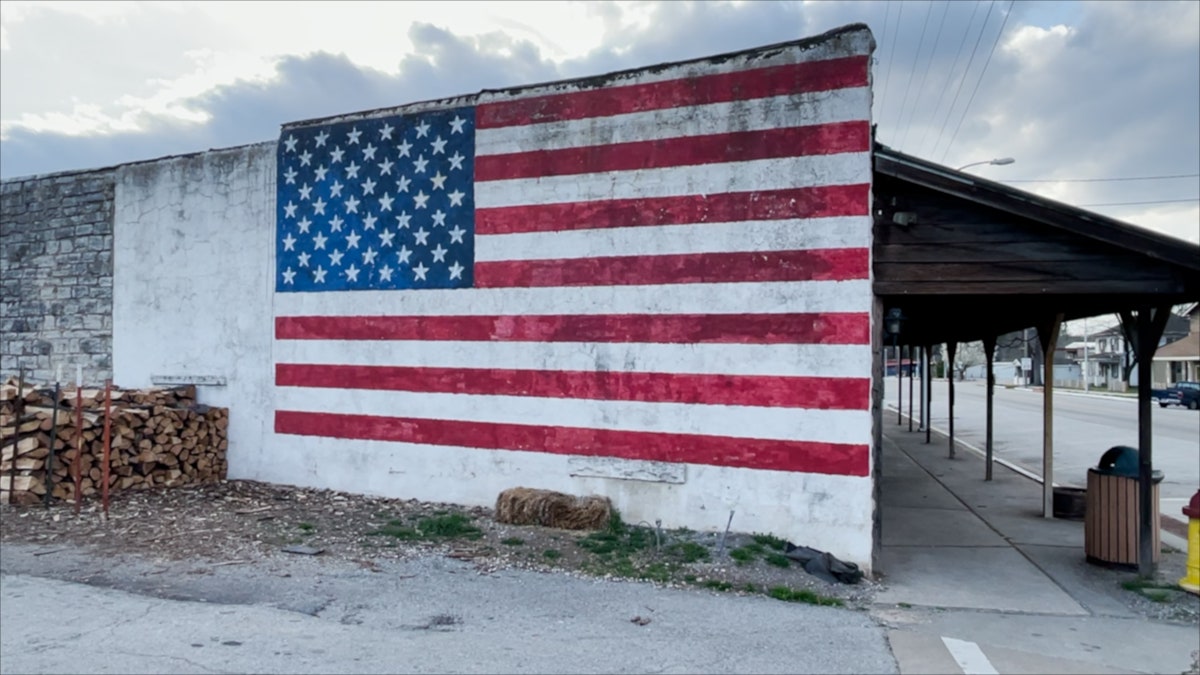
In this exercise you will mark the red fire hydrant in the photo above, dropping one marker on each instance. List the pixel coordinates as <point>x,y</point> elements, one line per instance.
<point>1192,581</point>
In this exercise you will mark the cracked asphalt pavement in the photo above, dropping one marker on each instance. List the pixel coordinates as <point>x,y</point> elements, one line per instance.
<point>67,612</point>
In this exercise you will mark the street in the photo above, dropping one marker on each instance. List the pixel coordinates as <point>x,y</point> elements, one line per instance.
<point>1085,425</point>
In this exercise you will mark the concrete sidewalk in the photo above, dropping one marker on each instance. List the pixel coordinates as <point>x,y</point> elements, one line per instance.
<point>979,582</point>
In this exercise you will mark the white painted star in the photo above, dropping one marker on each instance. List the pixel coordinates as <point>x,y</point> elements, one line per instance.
<point>352,170</point>
<point>439,219</point>
<point>304,224</point>
<point>456,125</point>
<point>289,210</point>
<point>439,253</point>
<point>336,155</point>
<point>335,225</point>
<point>439,181</point>
<point>321,171</point>
<point>369,152</point>
<point>319,206</point>
<point>456,161</point>
<point>456,198</point>
<point>456,235</point>
<point>304,259</point>
<point>290,143</point>
<point>321,138</point>
<point>404,147</point>
<point>288,275</point>
<point>352,204</point>
<point>439,146</point>
<point>289,242</point>
<point>402,219</point>
<point>305,191</point>
<point>352,273</point>
<point>319,241</point>
<point>369,256</point>
<point>385,167</point>
<point>368,187</point>
<point>420,198</point>
<point>352,239</point>
<point>335,190</point>
<point>404,254</point>
<point>422,130</point>
<point>385,202</point>
<point>419,272</point>
<point>386,237</point>
<point>352,137</point>
<point>369,221</point>
<point>289,176</point>
<point>319,275</point>
<point>335,258</point>
<point>385,134</point>
<point>422,237</point>
<point>403,183</point>
<point>420,163</point>
<point>456,271</point>
<point>385,273</point>
<point>306,158</point>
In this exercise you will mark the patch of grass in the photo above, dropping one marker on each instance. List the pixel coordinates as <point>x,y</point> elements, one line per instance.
<point>689,551</point>
<point>771,542</point>
<point>803,595</point>
<point>1157,596</point>
<point>750,588</point>
<point>717,585</point>
<point>617,538</point>
<point>396,532</point>
<point>656,572</point>
<point>307,527</point>
<point>690,578</point>
<point>551,554</point>
<point>449,525</point>
<point>743,555</point>
<point>778,560</point>
<point>513,541</point>
<point>1142,584</point>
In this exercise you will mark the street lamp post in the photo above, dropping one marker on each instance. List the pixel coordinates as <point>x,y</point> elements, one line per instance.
<point>999,161</point>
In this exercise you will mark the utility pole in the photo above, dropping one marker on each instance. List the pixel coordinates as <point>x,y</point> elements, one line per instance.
<point>1087,376</point>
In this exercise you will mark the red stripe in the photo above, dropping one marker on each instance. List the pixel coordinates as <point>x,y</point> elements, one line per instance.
<point>824,75</point>
<point>825,328</point>
<point>743,146</point>
<point>802,456</point>
<point>838,264</point>
<point>826,201</point>
<point>824,393</point>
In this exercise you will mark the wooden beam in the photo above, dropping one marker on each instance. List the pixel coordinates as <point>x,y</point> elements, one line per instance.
<point>910,389</point>
<point>1048,335</point>
<point>950,348</point>
<point>928,376</point>
<point>1149,330</point>
<point>989,353</point>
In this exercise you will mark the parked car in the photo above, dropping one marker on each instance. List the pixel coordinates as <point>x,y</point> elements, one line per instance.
<point>1186,394</point>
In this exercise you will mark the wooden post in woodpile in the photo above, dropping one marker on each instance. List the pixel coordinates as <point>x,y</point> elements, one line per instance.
<point>104,466</point>
<point>53,440</point>
<point>77,464</point>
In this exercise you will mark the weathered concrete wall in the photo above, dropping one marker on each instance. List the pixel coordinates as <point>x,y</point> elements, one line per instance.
<point>193,246</point>
<point>56,268</point>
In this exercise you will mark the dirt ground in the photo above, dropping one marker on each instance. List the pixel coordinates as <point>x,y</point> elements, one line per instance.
<point>247,522</point>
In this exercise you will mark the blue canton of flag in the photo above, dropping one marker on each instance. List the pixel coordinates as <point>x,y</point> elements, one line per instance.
<point>377,204</point>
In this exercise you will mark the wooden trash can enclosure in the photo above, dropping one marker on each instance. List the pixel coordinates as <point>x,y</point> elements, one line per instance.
<point>1110,535</point>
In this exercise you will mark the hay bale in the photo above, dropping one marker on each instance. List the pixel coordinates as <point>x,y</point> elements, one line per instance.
<point>527,506</point>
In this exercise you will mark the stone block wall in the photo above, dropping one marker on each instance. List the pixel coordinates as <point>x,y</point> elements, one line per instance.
<point>56,275</point>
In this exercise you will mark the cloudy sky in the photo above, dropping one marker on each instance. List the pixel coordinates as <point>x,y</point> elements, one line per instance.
<point>1099,103</point>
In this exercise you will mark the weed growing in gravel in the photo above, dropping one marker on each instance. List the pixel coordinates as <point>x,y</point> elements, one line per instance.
<point>307,527</point>
<point>743,555</point>
<point>551,554</point>
<point>717,585</point>
<point>513,541</point>
<point>803,595</point>
<point>446,526</point>
<point>777,559</point>
<point>770,541</point>
<point>688,551</point>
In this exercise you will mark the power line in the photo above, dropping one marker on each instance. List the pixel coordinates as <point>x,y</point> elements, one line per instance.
<point>980,80</point>
<point>1160,201</point>
<point>950,70</point>
<point>887,78</point>
<point>937,38</point>
<point>963,79</point>
<point>916,57</point>
<point>1099,180</point>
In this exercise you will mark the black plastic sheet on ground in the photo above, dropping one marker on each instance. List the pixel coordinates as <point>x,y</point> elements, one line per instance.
<point>824,565</point>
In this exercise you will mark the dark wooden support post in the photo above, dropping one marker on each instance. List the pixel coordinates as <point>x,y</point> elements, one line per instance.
<point>1048,336</point>
<point>899,387</point>
<point>910,388</point>
<point>989,352</point>
<point>1149,330</point>
<point>928,390</point>
<point>951,346</point>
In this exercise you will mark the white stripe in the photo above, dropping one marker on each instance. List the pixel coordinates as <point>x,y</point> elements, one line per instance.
<point>769,235</point>
<point>702,179</point>
<point>731,359</point>
<point>831,426</point>
<point>733,298</point>
<point>855,44</point>
<point>969,657</point>
<point>810,108</point>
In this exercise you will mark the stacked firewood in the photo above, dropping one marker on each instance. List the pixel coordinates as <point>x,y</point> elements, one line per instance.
<point>158,437</point>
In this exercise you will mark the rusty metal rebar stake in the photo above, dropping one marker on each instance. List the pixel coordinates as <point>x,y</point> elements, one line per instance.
<point>104,468</point>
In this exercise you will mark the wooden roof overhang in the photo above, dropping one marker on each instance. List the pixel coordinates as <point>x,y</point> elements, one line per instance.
<point>965,258</point>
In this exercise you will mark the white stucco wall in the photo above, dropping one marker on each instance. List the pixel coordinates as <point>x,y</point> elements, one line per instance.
<point>192,255</point>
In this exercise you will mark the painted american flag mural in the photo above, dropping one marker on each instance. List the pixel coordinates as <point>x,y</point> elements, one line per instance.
<point>670,265</point>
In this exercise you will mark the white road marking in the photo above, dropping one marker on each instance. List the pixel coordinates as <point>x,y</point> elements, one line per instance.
<point>969,657</point>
